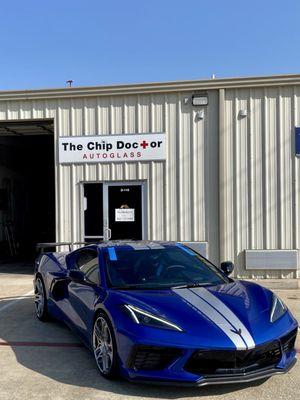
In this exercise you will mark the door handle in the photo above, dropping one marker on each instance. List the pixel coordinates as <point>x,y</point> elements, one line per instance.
<point>107,233</point>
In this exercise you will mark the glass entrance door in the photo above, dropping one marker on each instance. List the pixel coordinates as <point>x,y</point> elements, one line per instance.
<point>123,211</point>
<point>114,211</point>
<point>93,212</point>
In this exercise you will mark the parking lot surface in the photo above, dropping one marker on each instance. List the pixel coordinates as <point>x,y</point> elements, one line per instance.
<point>46,361</point>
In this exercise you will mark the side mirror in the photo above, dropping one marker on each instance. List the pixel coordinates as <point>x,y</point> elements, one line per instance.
<point>76,276</point>
<point>227,267</point>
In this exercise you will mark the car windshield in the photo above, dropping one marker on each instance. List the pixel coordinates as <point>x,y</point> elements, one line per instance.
<point>160,267</point>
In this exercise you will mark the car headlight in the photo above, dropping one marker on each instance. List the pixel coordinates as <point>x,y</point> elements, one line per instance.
<point>144,318</point>
<point>278,308</point>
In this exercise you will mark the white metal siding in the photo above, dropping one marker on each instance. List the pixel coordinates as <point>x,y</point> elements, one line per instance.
<point>261,174</point>
<point>228,180</point>
<point>182,191</point>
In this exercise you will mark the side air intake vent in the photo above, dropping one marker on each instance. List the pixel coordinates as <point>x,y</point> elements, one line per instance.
<point>152,358</point>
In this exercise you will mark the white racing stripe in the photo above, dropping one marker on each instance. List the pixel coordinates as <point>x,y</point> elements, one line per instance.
<point>212,314</point>
<point>15,300</point>
<point>227,313</point>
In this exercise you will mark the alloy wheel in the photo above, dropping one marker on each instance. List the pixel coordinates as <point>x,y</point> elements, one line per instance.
<point>39,298</point>
<point>103,345</point>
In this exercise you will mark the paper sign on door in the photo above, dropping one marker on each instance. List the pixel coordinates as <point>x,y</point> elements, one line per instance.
<point>124,214</point>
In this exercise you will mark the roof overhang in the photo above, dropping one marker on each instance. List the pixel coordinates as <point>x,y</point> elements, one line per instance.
<point>158,87</point>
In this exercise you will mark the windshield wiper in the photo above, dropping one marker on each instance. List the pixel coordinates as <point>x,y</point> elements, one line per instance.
<point>140,287</point>
<point>192,285</point>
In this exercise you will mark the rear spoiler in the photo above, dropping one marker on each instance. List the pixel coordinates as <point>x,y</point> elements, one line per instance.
<point>40,247</point>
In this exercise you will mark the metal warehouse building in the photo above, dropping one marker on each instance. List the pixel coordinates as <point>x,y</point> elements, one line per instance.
<point>210,161</point>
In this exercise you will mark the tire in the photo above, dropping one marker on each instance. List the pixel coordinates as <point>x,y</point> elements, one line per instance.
<point>105,347</point>
<point>40,301</point>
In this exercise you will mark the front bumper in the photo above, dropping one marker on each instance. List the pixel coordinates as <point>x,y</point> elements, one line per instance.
<point>221,379</point>
<point>172,366</point>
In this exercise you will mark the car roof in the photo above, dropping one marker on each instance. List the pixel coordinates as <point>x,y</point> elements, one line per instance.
<point>136,244</point>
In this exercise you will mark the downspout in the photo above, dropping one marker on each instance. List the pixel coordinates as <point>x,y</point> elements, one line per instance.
<point>222,176</point>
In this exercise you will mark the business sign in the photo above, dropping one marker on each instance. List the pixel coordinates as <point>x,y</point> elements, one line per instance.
<point>124,214</point>
<point>297,141</point>
<point>112,148</point>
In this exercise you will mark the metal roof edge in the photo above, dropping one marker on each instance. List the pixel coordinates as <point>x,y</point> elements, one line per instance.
<point>153,87</point>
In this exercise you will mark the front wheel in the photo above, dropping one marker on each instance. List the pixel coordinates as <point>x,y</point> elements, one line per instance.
<point>104,347</point>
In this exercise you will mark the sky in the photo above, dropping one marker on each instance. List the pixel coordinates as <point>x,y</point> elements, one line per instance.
<point>44,43</point>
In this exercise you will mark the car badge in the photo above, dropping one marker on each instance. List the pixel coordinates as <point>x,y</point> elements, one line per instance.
<point>237,331</point>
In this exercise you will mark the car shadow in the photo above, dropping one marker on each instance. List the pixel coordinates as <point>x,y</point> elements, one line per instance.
<point>69,362</point>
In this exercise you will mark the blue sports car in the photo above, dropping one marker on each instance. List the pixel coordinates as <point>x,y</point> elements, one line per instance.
<point>159,312</point>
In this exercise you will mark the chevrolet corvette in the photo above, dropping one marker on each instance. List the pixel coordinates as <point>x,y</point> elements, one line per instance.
<point>158,312</point>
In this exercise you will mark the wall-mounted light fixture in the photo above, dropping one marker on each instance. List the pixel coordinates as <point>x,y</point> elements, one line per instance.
<point>200,114</point>
<point>200,100</point>
<point>243,113</point>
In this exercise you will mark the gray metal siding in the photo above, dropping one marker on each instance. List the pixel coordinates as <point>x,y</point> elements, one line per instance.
<point>228,180</point>
<point>182,191</point>
<point>261,173</point>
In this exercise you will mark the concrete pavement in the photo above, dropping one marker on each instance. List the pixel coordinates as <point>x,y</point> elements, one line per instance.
<point>60,368</point>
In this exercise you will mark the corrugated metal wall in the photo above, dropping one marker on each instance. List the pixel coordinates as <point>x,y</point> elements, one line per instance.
<point>261,175</point>
<point>182,192</point>
<point>243,195</point>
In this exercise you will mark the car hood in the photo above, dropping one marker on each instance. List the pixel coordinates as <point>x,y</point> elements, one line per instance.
<point>232,315</point>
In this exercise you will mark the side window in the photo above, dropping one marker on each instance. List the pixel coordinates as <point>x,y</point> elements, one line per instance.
<point>87,261</point>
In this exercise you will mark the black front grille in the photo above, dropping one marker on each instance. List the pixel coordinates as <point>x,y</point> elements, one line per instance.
<point>152,358</point>
<point>234,361</point>
<point>288,341</point>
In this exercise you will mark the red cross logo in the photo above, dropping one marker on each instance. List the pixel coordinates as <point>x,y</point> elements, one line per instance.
<point>144,144</point>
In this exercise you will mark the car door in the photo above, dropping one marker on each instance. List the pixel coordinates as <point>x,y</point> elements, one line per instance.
<point>84,294</point>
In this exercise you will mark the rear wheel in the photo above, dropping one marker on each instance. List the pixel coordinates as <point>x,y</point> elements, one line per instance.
<point>40,300</point>
<point>104,347</point>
